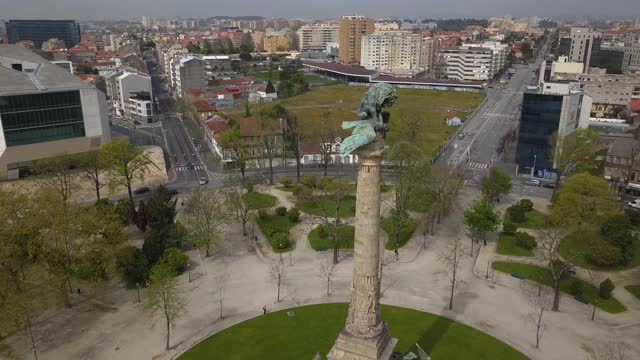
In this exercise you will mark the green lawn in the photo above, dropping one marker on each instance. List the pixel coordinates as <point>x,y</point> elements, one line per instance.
<point>533,219</point>
<point>634,290</point>
<point>326,202</point>
<point>291,188</point>
<point>430,107</point>
<point>319,243</point>
<point>313,329</point>
<point>279,224</point>
<point>576,245</point>
<point>257,200</point>
<point>507,246</point>
<point>405,233</point>
<point>540,274</point>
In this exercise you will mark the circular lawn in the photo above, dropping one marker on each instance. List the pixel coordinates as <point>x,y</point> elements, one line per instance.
<point>300,333</point>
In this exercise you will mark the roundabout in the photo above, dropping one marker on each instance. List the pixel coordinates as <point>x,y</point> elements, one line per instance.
<point>300,333</point>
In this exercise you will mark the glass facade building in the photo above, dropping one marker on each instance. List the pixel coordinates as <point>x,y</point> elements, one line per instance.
<point>40,31</point>
<point>540,119</point>
<point>35,118</point>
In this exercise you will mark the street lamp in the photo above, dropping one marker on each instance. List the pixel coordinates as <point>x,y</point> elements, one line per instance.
<point>138,289</point>
<point>189,269</point>
<point>535,157</point>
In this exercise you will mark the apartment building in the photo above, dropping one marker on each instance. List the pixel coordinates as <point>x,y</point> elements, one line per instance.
<point>140,107</point>
<point>121,84</point>
<point>45,111</point>
<point>582,40</point>
<point>606,89</point>
<point>393,52</point>
<point>188,73</point>
<point>473,61</point>
<point>428,52</point>
<point>276,43</point>
<point>352,29</point>
<point>315,37</point>
<point>386,26</point>
<point>39,31</point>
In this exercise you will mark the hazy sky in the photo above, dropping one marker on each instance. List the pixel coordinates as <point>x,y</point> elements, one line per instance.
<point>315,8</point>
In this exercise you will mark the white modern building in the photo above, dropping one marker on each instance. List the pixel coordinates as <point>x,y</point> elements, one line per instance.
<point>124,82</point>
<point>386,26</point>
<point>315,37</point>
<point>139,107</point>
<point>474,61</point>
<point>402,53</point>
<point>45,111</point>
<point>582,44</point>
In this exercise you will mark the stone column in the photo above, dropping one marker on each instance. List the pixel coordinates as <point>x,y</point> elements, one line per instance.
<point>365,336</point>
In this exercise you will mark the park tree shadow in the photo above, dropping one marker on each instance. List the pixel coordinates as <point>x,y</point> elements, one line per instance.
<point>433,335</point>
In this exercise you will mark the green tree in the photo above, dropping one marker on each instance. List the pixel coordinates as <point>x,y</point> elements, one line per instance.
<point>204,218</point>
<point>127,163</point>
<point>496,184</point>
<point>94,169</point>
<point>59,175</point>
<point>270,88</point>
<point>481,218</point>
<point>163,298</point>
<point>235,148</point>
<point>573,153</point>
<point>71,237</point>
<point>584,199</point>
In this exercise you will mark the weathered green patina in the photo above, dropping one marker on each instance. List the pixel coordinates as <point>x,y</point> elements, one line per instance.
<point>371,118</point>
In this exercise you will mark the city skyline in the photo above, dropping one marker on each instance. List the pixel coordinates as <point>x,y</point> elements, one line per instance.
<point>310,9</point>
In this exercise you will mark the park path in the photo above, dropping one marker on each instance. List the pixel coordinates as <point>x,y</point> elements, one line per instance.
<point>413,282</point>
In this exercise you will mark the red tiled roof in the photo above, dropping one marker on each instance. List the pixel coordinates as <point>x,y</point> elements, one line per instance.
<point>193,91</point>
<point>634,105</point>
<point>203,106</point>
<point>86,76</point>
<point>217,125</point>
<point>250,127</point>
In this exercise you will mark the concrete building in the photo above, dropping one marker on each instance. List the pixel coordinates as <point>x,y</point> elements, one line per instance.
<point>277,43</point>
<point>545,113</point>
<point>140,107</point>
<point>637,24</point>
<point>392,52</point>
<point>622,165</point>
<point>631,60</point>
<point>582,45</point>
<point>122,83</point>
<point>428,52</point>
<point>606,89</point>
<point>386,26</point>
<point>45,111</point>
<point>470,63</point>
<point>315,37</point>
<point>189,73</point>
<point>564,66</point>
<point>352,29</point>
<point>40,31</point>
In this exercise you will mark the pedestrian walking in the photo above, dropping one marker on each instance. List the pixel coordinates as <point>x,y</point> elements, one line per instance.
<point>264,310</point>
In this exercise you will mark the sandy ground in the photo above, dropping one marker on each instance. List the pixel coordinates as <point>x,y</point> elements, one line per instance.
<point>83,189</point>
<point>123,331</point>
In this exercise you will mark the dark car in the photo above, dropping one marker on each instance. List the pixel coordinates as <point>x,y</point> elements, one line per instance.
<point>549,185</point>
<point>142,190</point>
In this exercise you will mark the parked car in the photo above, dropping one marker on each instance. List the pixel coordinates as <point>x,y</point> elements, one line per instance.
<point>549,185</point>
<point>203,181</point>
<point>533,182</point>
<point>634,204</point>
<point>140,191</point>
<point>461,135</point>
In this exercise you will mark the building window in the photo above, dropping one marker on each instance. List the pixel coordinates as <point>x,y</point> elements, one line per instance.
<point>28,119</point>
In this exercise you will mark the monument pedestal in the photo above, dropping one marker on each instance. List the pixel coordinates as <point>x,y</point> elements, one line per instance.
<point>350,347</point>
<point>365,336</point>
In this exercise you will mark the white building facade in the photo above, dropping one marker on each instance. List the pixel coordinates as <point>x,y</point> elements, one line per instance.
<point>394,52</point>
<point>315,37</point>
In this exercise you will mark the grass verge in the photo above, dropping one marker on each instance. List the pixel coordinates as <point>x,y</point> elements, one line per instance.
<point>634,290</point>
<point>273,224</point>
<point>327,203</point>
<point>256,200</point>
<point>320,240</point>
<point>575,246</point>
<point>539,274</point>
<point>405,233</point>
<point>313,329</point>
<point>507,246</point>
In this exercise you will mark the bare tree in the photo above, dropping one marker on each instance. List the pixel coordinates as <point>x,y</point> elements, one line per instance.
<point>611,350</point>
<point>336,191</point>
<point>452,257</point>
<point>238,208</point>
<point>595,278</point>
<point>404,189</point>
<point>94,168</point>
<point>539,303</point>
<point>271,128</point>
<point>549,243</point>
<point>221,279</point>
<point>327,269</point>
<point>204,218</point>
<point>58,175</point>
<point>278,275</point>
<point>163,298</point>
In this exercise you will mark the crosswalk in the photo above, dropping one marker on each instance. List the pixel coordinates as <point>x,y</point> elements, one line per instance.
<point>499,115</point>
<point>216,176</point>
<point>475,165</point>
<point>186,168</point>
